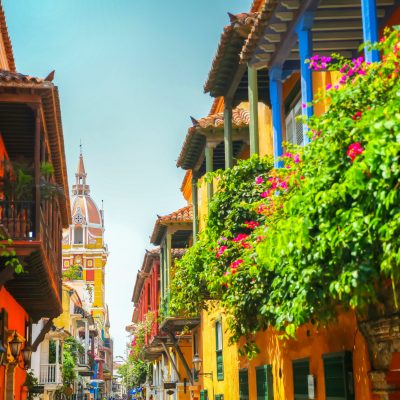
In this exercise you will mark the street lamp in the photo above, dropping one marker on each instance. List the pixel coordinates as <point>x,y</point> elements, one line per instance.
<point>197,364</point>
<point>15,350</point>
<point>15,345</point>
<point>26,356</point>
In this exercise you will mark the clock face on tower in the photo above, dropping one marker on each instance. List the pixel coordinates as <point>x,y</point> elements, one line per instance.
<point>78,219</point>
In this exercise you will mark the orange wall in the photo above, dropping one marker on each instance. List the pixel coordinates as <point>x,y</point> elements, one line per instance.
<point>16,321</point>
<point>311,343</point>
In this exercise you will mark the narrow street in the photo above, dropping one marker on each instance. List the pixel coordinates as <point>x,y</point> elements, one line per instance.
<point>199,200</point>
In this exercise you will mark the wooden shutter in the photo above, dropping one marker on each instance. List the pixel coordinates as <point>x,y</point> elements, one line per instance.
<point>243,384</point>
<point>301,370</point>
<point>264,383</point>
<point>219,350</point>
<point>203,395</point>
<point>338,371</point>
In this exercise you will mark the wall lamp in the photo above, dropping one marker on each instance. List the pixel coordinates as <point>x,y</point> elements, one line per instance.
<point>197,364</point>
<point>15,349</point>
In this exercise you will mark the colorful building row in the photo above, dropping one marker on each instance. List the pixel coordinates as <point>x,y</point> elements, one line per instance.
<point>60,294</point>
<point>261,83</point>
<point>32,214</point>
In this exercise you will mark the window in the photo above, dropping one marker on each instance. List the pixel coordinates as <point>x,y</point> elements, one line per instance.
<point>78,235</point>
<point>294,128</point>
<point>264,383</point>
<point>203,395</point>
<point>219,355</point>
<point>243,384</point>
<point>301,370</point>
<point>195,351</point>
<point>148,297</point>
<point>338,371</point>
<point>90,275</point>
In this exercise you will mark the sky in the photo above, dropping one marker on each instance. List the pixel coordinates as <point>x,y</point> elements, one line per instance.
<point>130,74</point>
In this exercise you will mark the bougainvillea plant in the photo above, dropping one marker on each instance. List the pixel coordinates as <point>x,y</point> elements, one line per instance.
<point>286,246</point>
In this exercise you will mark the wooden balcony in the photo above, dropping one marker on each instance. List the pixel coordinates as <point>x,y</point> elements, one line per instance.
<point>30,133</point>
<point>36,233</point>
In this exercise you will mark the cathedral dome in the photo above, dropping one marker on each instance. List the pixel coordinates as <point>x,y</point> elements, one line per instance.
<point>87,220</point>
<point>85,211</point>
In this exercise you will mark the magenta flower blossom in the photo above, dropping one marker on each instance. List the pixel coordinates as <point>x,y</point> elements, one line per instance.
<point>284,186</point>
<point>296,158</point>
<point>240,237</point>
<point>259,180</point>
<point>354,150</point>
<point>357,116</point>
<point>328,86</point>
<point>235,265</point>
<point>221,251</point>
<point>251,224</point>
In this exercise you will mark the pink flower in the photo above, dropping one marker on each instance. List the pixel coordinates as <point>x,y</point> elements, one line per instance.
<point>251,224</point>
<point>265,194</point>
<point>296,158</point>
<point>240,237</point>
<point>259,180</point>
<point>357,116</point>
<point>328,86</point>
<point>221,251</point>
<point>234,266</point>
<point>284,185</point>
<point>304,105</point>
<point>354,150</point>
<point>260,238</point>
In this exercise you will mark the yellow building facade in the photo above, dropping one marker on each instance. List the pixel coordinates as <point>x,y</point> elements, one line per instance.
<point>84,259</point>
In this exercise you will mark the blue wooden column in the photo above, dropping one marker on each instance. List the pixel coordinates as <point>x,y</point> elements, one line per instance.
<point>304,35</point>
<point>275,92</point>
<point>370,28</point>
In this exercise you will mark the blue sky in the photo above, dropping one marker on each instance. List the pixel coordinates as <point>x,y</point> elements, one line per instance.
<point>130,73</point>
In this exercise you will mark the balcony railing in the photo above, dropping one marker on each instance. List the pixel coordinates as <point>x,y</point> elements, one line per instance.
<point>26,222</point>
<point>81,360</point>
<point>17,218</point>
<point>50,374</point>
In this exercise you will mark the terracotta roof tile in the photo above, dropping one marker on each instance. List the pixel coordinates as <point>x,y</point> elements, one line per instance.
<point>228,50</point>
<point>257,30</point>
<point>17,78</point>
<point>6,40</point>
<point>183,215</point>
<point>240,119</point>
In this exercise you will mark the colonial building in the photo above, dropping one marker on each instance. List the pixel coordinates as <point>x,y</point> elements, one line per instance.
<point>84,260</point>
<point>167,345</point>
<point>260,66</point>
<point>31,137</point>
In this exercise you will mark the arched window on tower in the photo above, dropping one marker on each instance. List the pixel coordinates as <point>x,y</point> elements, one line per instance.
<point>78,235</point>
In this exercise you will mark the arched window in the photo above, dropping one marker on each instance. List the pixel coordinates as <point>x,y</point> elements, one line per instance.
<point>78,235</point>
